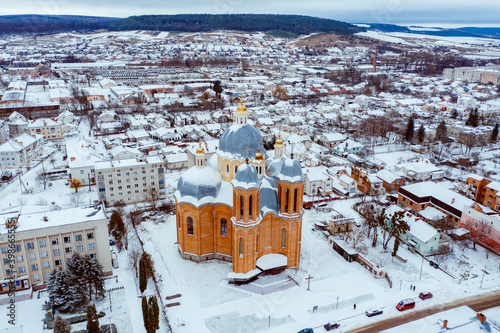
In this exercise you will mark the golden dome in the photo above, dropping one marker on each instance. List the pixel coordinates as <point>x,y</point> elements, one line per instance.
<point>279,142</point>
<point>241,108</point>
<point>258,156</point>
<point>200,150</point>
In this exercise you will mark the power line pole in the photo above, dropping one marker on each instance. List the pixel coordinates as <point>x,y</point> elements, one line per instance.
<point>309,281</point>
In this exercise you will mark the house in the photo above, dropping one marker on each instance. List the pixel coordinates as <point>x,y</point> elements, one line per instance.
<point>483,226</point>
<point>121,152</point>
<point>420,171</point>
<point>18,151</point>
<point>46,239</point>
<point>348,184</point>
<point>317,182</point>
<point>420,195</point>
<point>425,239</point>
<point>331,140</point>
<point>484,191</point>
<point>82,156</point>
<point>347,147</point>
<point>367,183</point>
<point>176,161</point>
<point>338,223</point>
<point>47,127</point>
<point>391,181</point>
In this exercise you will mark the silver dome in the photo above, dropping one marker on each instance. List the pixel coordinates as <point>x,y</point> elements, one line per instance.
<point>247,173</point>
<point>199,183</point>
<point>242,141</point>
<point>291,171</point>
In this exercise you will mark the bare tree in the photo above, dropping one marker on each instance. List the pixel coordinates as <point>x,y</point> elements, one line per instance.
<point>133,257</point>
<point>43,178</point>
<point>477,230</point>
<point>76,198</point>
<point>152,198</point>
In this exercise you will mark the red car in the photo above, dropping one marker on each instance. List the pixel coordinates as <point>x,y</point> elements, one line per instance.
<point>425,295</point>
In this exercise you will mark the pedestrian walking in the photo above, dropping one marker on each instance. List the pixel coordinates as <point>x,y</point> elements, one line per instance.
<point>354,306</point>
<point>413,288</point>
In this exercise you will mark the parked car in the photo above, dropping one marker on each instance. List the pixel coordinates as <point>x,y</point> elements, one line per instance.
<point>425,295</point>
<point>331,325</point>
<point>405,304</point>
<point>306,330</point>
<point>373,312</point>
<point>431,263</point>
<point>436,265</point>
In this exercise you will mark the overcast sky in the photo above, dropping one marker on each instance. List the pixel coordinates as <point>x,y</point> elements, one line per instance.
<point>355,11</point>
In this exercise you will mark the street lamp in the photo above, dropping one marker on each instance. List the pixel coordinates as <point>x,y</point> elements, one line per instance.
<point>422,265</point>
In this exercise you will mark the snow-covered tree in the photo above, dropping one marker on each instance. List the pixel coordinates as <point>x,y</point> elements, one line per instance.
<point>153,314</point>
<point>92,319</point>
<point>61,325</point>
<point>94,276</point>
<point>58,288</point>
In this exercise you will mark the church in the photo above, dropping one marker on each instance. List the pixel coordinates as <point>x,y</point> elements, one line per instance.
<point>239,206</point>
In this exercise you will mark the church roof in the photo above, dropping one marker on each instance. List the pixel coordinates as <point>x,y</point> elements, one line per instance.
<point>199,183</point>
<point>241,141</point>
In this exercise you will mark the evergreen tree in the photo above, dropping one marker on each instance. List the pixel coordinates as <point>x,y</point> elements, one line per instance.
<point>410,128</point>
<point>494,134</point>
<point>454,114</point>
<point>78,288</point>
<point>58,288</point>
<point>473,119</point>
<point>92,319</point>
<point>148,264</point>
<point>61,325</point>
<point>145,313</point>
<point>421,134</point>
<point>143,277</point>
<point>442,132</point>
<point>218,88</point>
<point>117,228</point>
<point>94,276</point>
<point>153,314</point>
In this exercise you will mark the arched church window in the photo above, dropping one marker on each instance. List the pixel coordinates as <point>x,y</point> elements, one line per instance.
<point>190,225</point>
<point>250,207</point>
<point>295,201</point>
<point>241,247</point>
<point>227,168</point>
<point>241,207</point>
<point>283,237</point>
<point>235,169</point>
<point>223,227</point>
<point>287,194</point>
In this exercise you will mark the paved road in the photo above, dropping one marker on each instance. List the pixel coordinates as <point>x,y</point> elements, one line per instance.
<point>477,303</point>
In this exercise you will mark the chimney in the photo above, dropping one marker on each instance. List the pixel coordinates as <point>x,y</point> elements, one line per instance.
<point>452,200</point>
<point>445,323</point>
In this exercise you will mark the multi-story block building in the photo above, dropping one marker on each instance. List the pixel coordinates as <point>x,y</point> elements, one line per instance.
<point>484,191</point>
<point>131,180</point>
<point>50,129</point>
<point>17,152</point>
<point>44,241</point>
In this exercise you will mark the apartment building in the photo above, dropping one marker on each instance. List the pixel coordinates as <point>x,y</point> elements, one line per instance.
<point>44,241</point>
<point>17,152</point>
<point>50,129</point>
<point>484,191</point>
<point>130,180</point>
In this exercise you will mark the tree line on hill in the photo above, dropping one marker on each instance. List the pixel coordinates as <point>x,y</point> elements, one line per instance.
<point>297,24</point>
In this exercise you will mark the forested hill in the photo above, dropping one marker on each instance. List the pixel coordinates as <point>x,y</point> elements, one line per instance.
<point>296,24</point>
<point>48,24</point>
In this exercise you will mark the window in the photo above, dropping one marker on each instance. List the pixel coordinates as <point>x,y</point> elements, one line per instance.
<point>287,193</point>
<point>68,250</point>
<point>36,277</point>
<point>30,245</point>
<point>32,256</point>
<point>78,238</point>
<point>57,262</point>
<point>46,264</point>
<point>67,239</point>
<point>223,227</point>
<point>56,252</point>
<point>44,254</point>
<point>55,241</point>
<point>42,243</point>
<point>295,201</point>
<point>283,237</point>
<point>47,276</point>
<point>19,258</point>
<point>34,267</point>
<point>4,249</point>
<point>250,199</point>
<point>241,207</point>
<point>227,168</point>
<point>235,169</point>
<point>21,269</point>
<point>241,247</point>
<point>92,246</point>
<point>5,261</point>
<point>90,235</point>
<point>190,225</point>
<point>18,248</point>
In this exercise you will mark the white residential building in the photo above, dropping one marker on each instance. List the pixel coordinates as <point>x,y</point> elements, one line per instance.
<point>17,152</point>
<point>131,180</point>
